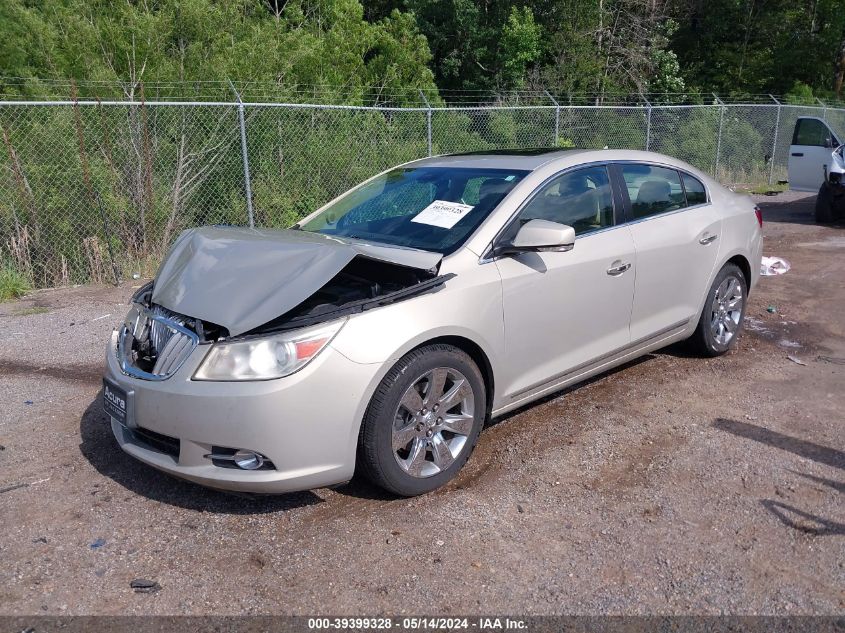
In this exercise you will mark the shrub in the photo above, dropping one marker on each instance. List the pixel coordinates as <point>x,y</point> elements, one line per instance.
<point>13,284</point>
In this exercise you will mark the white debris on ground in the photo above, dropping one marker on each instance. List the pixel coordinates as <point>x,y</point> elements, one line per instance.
<point>773,266</point>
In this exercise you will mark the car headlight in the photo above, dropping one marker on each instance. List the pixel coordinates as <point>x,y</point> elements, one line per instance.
<point>266,357</point>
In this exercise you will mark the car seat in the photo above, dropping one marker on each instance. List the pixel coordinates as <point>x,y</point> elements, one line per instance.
<point>654,196</point>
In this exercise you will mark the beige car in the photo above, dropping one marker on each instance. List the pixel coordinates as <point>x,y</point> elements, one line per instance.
<point>383,330</point>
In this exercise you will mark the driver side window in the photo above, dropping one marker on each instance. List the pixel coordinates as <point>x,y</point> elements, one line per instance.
<point>814,133</point>
<point>581,199</point>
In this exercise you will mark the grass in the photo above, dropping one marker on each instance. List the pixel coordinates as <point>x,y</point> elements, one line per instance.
<point>764,189</point>
<point>12,283</point>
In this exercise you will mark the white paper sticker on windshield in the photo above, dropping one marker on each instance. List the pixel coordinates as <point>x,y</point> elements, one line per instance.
<point>442,213</point>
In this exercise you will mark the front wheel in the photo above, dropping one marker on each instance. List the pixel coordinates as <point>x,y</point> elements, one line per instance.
<point>721,317</point>
<point>423,421</point>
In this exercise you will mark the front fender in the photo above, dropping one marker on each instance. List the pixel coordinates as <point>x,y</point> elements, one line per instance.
<point>467,306</point>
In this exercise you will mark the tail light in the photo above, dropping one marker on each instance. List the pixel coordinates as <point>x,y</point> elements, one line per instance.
<point>759,213</point>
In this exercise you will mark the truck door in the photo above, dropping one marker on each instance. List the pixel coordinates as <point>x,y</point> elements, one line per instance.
<point>810,154</point>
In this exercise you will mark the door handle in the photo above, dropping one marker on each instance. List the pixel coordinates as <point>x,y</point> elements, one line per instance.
<point>707,239</point>
<point>797,154</point>
<point>615,271</point>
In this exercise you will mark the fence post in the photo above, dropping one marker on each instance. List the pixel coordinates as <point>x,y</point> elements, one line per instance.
<point>824,108</point>
<point>721,105</point>
<point>557,116</point>
<point>244,157</point>
<point>648,123</point>
<point>774,141</point>
<point>428,119</point>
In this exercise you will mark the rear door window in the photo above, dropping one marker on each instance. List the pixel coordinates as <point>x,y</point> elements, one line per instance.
<point>653,190</point>
<point>696,193</point>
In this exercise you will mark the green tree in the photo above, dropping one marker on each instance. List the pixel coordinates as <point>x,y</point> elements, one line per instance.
<point>754,46</point>
<point>520,46</point>
<point>311,42</point>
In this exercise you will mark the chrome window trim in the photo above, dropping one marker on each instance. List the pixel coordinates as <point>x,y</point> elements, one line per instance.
<point>129,370</point>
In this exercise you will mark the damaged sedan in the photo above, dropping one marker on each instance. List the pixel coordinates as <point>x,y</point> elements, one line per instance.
<point>380,333</point>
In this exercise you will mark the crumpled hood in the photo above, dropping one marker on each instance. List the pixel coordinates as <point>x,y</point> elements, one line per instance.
<point>241,278</point>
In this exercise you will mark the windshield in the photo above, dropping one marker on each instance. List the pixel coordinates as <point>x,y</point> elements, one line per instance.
<point>430,208</point>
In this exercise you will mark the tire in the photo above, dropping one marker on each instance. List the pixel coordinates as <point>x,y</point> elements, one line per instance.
<point>422,464</point>
<point>714,339</point>
<point>824,205</point>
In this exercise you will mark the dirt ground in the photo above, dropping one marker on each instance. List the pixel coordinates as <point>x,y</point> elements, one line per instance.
<point>672,485</point>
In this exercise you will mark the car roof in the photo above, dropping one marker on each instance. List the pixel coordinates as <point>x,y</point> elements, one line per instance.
<point>524,159</point>
<point>532,159</point>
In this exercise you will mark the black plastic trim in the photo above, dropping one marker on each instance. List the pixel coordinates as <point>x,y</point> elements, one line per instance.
<point>353,307</point>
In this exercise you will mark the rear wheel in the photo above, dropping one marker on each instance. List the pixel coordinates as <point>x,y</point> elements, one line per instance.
<point>721,317</point>
<point>423,421</point>
<point>824,204</point>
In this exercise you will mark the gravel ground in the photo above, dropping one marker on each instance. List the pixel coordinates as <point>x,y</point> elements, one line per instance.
<point>671,485</point>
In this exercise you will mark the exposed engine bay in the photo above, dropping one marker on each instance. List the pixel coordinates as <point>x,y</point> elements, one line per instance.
<point>229,283</point>
<point>361,285</point>
<point>242,279</point>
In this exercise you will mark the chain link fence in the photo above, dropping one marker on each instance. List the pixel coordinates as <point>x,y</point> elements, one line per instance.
<point>83,183</point>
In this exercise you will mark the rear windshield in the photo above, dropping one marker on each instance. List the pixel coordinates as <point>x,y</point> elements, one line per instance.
<point>430,208</point>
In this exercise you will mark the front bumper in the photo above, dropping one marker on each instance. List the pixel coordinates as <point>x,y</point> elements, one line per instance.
<point>306,423</point>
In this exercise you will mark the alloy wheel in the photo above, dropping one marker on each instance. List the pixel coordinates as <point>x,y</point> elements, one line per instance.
<point>433,422</point>
<point>726,310</point>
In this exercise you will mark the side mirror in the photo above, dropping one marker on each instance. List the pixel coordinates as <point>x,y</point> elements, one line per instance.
<point>829,143</point>
<point>541,235</point>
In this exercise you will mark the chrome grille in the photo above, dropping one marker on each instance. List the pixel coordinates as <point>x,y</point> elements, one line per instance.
<point>175,351</point>
<point>168,336</point>
<point>159,332</point>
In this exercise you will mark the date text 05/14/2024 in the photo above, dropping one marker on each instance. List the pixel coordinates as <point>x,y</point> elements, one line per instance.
<point>419,623</point>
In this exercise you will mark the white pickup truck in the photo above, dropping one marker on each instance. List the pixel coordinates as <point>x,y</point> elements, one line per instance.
<point>816,163</point>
